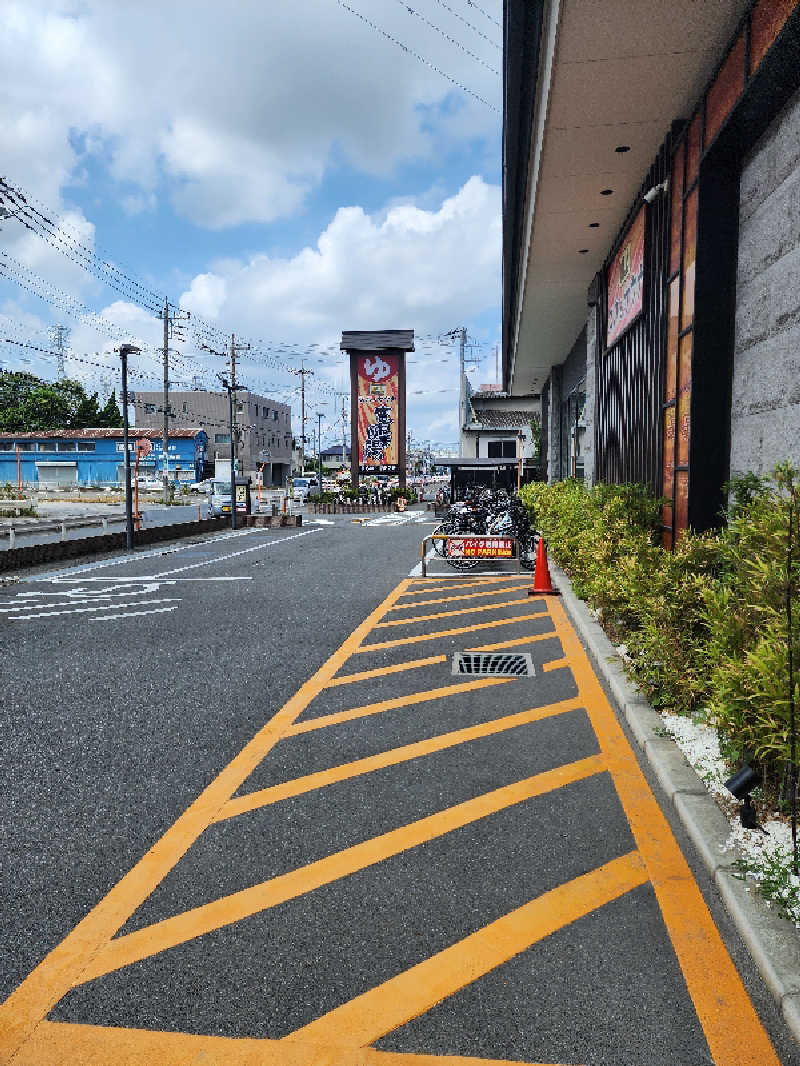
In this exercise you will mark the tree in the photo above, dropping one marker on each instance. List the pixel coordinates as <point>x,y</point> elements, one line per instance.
<point>110,416</point>
<point>28,404</point>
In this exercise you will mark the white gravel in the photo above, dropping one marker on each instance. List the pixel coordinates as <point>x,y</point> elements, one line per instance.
<point>773,849</point>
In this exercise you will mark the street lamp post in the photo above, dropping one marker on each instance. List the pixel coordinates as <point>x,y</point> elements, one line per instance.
<point>319,448</point>
<point>124,351</point>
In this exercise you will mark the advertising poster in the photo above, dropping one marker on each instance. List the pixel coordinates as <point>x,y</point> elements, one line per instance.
<point>625,282</point>
<point>378,378</point>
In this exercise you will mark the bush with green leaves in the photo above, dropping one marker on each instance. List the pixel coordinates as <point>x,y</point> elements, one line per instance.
<point>704,626</point>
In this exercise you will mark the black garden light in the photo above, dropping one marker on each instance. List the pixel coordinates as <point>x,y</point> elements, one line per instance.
<point>741,785</point>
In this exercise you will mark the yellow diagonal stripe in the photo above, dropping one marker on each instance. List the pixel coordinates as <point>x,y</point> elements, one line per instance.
<point>451,632</point>
<point>382,671</point>
<point>124,950</point>
<point>322,778</point>
<point>373,1014</point>
<point>469,596</point>
<point>67,1044</point>
<point>451,614</point>
<point>516,643</point>
<point>410,700</point>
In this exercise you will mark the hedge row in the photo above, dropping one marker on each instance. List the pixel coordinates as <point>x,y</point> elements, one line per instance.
<point>705,626</point>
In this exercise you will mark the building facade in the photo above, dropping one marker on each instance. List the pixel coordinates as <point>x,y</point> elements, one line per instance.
<point>652,240</point>
<point>262,427</point>
<point>95,457</point>
<point>499,426</point>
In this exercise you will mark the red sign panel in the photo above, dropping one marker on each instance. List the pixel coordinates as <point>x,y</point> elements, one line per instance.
<point>378,376</point>
<point>480,547</point>
<point>626,282</point>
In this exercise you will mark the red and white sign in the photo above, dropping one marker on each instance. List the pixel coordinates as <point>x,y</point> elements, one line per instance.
<point>378,377</point>
<point>480,547</point>
<point>626,281</point>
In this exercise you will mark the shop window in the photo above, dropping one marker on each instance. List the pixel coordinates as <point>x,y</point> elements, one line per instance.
<point>86,446</point>
<point>65,446</point>
<point>25,446</point>
<point>222,438</point>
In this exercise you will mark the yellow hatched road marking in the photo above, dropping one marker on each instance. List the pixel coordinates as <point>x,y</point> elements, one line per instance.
<point>514,643</point>
<point>398,668</point>
<point>450,614</point>
<point>554,664</point>
<point>322,778</point>
<point>63,968</point>
<point>124,950</point>
<point>57,1043</point>
<point>451,599</point>
<point>732,1028</point>
<point>451,632</point>
<point>456,583</point>
<point>325,720</point>
<point>368,1017</point>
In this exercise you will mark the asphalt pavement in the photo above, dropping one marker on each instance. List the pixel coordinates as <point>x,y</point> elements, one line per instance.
<point>254,816</point>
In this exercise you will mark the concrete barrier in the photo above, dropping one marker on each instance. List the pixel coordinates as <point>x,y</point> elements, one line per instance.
<point>37,554</point>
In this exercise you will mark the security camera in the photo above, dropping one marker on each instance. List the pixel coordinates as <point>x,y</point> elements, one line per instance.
<point>657,190</point>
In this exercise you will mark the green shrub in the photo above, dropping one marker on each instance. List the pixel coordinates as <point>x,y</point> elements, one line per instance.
<point>705,626</point>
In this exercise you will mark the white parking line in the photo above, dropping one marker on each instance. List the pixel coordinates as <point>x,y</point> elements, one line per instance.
<point>92,610</point>
<point>131,614</point>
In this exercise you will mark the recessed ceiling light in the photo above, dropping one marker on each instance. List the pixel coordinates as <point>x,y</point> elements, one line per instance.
<point>593,225</point>
<point>622,148</point>
<point>582,251</point>
<point>606,192</point>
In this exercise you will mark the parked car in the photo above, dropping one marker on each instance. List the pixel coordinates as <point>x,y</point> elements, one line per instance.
<point>150,484</point>
<point>304,486</point>
<point>219,500</point>
<point>201,486</point>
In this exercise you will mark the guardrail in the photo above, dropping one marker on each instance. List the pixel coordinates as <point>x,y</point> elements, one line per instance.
<point>486,537</point>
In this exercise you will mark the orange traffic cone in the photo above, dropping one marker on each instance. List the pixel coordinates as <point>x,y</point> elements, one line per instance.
<point>542,585</point>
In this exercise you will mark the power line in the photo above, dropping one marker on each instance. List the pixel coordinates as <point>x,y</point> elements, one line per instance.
<point>417,56</point>
<point>447,37</point>
<point>475,29</point>
<point>488,16</point>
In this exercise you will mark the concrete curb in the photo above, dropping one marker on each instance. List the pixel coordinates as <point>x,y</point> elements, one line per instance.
<point>776,955</point>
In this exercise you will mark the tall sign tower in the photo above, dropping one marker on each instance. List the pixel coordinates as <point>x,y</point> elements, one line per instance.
<point>378,401</point>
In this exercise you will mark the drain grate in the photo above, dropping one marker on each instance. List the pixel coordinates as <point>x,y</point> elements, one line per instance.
<point>507,664</point>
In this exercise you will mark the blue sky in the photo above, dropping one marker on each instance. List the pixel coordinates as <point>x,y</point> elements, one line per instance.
<point>283,171</point>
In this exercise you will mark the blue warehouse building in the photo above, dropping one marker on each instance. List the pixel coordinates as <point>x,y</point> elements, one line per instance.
<point>95,457</point>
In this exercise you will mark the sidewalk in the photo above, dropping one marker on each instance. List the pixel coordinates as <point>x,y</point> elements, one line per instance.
<point>408,860</point>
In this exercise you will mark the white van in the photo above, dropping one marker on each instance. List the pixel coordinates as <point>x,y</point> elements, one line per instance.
<point>304,486</point>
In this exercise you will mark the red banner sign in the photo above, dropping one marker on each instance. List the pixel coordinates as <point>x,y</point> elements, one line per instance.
<point>378,376</point>
<point>625,282</point>
<point>480,547</point>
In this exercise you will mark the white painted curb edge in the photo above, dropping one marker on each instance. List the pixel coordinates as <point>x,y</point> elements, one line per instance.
<point>772,942</point>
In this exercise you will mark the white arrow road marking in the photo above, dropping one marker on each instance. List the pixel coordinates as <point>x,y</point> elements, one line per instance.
<point>88,610</point>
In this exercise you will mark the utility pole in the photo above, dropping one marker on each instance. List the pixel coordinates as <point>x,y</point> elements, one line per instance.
<point>235,445</point>
<point>169,323</point>
<point>343,396</point>
<point>125,350</point>
<point>302,372</point>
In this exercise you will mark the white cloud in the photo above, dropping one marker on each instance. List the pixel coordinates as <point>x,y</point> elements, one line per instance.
<point>404,268</point>
<point>240,107</point>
